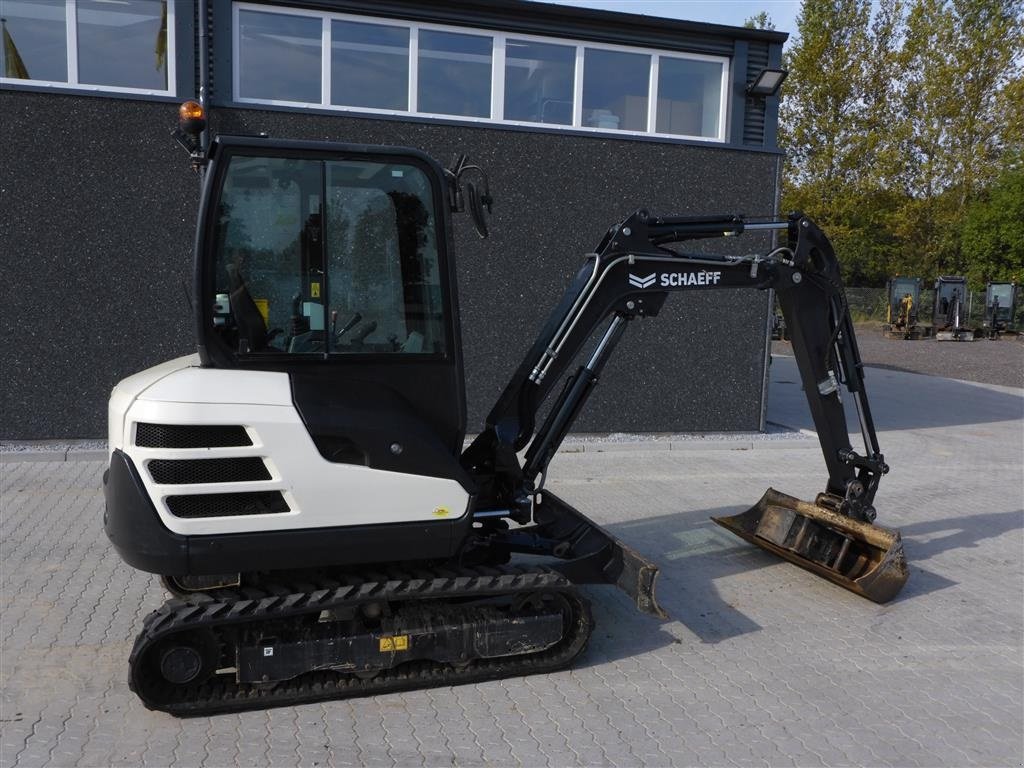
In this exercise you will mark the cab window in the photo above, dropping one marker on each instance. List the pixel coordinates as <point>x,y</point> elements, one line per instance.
<point>332,257</point>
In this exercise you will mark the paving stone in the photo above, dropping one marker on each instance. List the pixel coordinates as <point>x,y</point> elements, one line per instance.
<point>760,664</point>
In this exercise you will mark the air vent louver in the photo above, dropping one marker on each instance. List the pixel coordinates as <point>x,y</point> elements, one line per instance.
<point>228,504</point>
<point>190,436</point>
<point>182,471</point>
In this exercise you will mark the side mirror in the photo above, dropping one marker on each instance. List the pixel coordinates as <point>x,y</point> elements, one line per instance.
<point>478,200</point>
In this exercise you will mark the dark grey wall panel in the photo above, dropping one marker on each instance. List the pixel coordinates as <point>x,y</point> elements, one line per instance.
<point>97,233</point>
<point>96,240</point>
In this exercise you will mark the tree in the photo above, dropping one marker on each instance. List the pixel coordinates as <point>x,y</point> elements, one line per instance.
<point>760,21</point>
<point>823,123</point>
<point>993,230</point>
<point>822,114</point>
<point>958,58</point>
<point>896,125</point>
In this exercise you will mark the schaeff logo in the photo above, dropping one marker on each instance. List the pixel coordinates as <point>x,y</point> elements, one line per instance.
<point>676,279</point>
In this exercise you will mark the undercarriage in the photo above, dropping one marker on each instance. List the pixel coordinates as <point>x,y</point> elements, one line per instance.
<point>293,639</point>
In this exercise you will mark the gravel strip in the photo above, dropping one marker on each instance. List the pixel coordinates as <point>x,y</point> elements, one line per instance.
<point>989,362</point>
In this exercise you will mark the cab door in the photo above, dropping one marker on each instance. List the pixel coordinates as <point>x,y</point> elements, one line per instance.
<point>332,263</point>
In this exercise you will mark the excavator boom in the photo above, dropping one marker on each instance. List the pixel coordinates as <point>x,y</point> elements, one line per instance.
<point>630,276</point>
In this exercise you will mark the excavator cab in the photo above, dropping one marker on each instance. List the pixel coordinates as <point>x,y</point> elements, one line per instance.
<point>904,301</point>
<point>950,311</point>
<point>1000,309</point>
<point>332,263</point>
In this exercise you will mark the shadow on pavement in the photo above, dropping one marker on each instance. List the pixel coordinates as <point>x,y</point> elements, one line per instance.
<point>929,538</point>
<point>693,553</point>
<point>921,581</point>
<point>898,400</point>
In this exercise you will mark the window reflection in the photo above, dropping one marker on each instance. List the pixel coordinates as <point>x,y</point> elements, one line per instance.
<point>689,97</point>
<point>123,44</point>
<point>369,65</point>
<point>539,82</point>
<point>364,281</point>
<point>454,74</point>
<point>615,86</point>
<point>34,40</point>
<point>279,58</point>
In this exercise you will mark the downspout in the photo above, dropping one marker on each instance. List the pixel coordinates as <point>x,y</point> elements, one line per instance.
<point>766,373</point>
<point>204,68</point>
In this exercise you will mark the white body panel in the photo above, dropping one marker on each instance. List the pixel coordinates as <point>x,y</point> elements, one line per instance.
<point>126,390</point>
<point>319,493</point>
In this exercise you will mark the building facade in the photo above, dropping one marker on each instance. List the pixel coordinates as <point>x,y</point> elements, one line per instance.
<point>579,117</point>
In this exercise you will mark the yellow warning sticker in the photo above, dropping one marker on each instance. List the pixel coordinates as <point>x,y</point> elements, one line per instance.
<point>263,305</point>
<point>441,512</point>
<point>396,643</point>
<point>314,290</point>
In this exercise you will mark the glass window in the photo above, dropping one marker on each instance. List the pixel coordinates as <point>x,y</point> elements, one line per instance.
<point>689,97</point>
<point>366,280</point>
<point>369,65</point>
<point>383,268</point>
<point>539,82</point>
<point>34,40</point>
<point>268,279</point>
<point>615,86</point>
<point>279,56</point>
<point>454,76</point>
<point>279,59</point>
<point>1003,294</point>
<point>123,44</point>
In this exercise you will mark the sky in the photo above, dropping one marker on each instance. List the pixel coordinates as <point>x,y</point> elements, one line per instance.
<point>732,12</point>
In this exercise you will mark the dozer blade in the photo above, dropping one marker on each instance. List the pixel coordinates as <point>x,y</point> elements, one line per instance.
<point>863,558</point>
<point>594,556</point>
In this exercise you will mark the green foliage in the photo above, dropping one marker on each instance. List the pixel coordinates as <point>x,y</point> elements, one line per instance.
<point>761,21</point>
<point>899,126</point>
<point>993,231</point>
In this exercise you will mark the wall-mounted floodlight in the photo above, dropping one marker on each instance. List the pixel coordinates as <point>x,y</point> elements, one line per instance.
<point>767,82</point>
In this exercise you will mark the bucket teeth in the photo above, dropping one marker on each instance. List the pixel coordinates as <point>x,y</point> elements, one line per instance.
<point>863,558</point>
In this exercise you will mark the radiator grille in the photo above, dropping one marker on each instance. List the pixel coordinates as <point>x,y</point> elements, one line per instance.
<point>190,436</point>
<point>180,471</point>
<point>228,504</point>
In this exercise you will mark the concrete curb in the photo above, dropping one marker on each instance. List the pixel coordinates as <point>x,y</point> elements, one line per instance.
<point>67,454</point>
<point>799,439</point>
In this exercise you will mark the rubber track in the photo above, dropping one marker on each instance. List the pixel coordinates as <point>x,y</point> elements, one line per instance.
<point>250,606</point>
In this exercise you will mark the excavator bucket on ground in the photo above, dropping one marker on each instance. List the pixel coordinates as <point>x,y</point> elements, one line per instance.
<point>863,558</point>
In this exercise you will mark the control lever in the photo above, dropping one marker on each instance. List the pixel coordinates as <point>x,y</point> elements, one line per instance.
<point>348,326</point>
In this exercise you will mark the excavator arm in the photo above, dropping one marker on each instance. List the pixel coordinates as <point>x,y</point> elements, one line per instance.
<point>630,275</point>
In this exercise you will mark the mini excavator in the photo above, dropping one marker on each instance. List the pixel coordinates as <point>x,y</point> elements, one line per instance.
<point>950,311</point>
<point>904,294</point>
<point>301,484</point>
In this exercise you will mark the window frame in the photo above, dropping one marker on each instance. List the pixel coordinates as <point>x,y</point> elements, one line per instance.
<point>71,48</point>
<point>723,93</point>
<point>499,39</point>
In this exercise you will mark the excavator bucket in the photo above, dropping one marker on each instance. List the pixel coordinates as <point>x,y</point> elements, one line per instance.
<point>863,558</point>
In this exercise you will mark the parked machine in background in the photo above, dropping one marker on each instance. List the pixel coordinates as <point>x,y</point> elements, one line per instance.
<point>904,301</point>
<point>949,314</point>
<point>779,330</point>
<point>1000,310</point>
